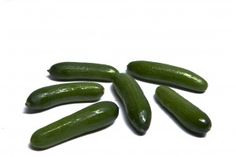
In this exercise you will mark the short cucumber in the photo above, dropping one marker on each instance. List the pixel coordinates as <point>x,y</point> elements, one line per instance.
<point>135,103</point>
<point>92,118</point>
<point>54,95</point>
<point>167,75</point>
<point>72,71</point>
<point>188,115</point>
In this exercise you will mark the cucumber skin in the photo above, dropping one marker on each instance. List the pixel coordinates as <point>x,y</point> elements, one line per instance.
<point>135,103</point>
<point>188,115</point>
<point>91,118</point>
<point>50,96</point>
<point>168,75</point>
<point>72,71</point>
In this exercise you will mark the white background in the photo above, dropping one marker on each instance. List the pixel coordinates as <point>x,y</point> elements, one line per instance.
<point>196,34</point>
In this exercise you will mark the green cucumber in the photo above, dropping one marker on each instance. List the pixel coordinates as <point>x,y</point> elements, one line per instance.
<point>188,115</point>
<point>54,95</point>
<point>89,119</point>
<point>72,71</point>
<point>135,103</point>
<point>168,75</point>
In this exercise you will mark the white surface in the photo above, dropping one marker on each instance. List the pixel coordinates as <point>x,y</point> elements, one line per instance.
<point>198,35</point>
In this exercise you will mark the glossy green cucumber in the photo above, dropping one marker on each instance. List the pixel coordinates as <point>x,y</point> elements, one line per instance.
<point>71,71</point>
<point>188,115</point>
<point>92,118</point>
<point>54,95</point>
<point>167,75</point>
<point>135,103</point>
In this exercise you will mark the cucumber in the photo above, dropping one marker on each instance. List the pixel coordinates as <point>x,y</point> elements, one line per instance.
<point>72,71</point>
<point>168,75</point>
<point>50,96</point>
<point>188,115</point>
<point>135,103</point>
<point>92,118</point>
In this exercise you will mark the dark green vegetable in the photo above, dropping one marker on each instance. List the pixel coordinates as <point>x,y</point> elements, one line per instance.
<point>167,75</point>
<point>72,71</point>
<point>188,115</point>
<point>92,118</point>
<point>136,105</point>
<point>51,96</point>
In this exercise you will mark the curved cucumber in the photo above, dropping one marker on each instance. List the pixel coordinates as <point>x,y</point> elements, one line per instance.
<point>168,75</point>
<point>135,103</point>
<point>188,115</point>
<point>51,96</point>
<point>89,119</point>
<point>72,71</point>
